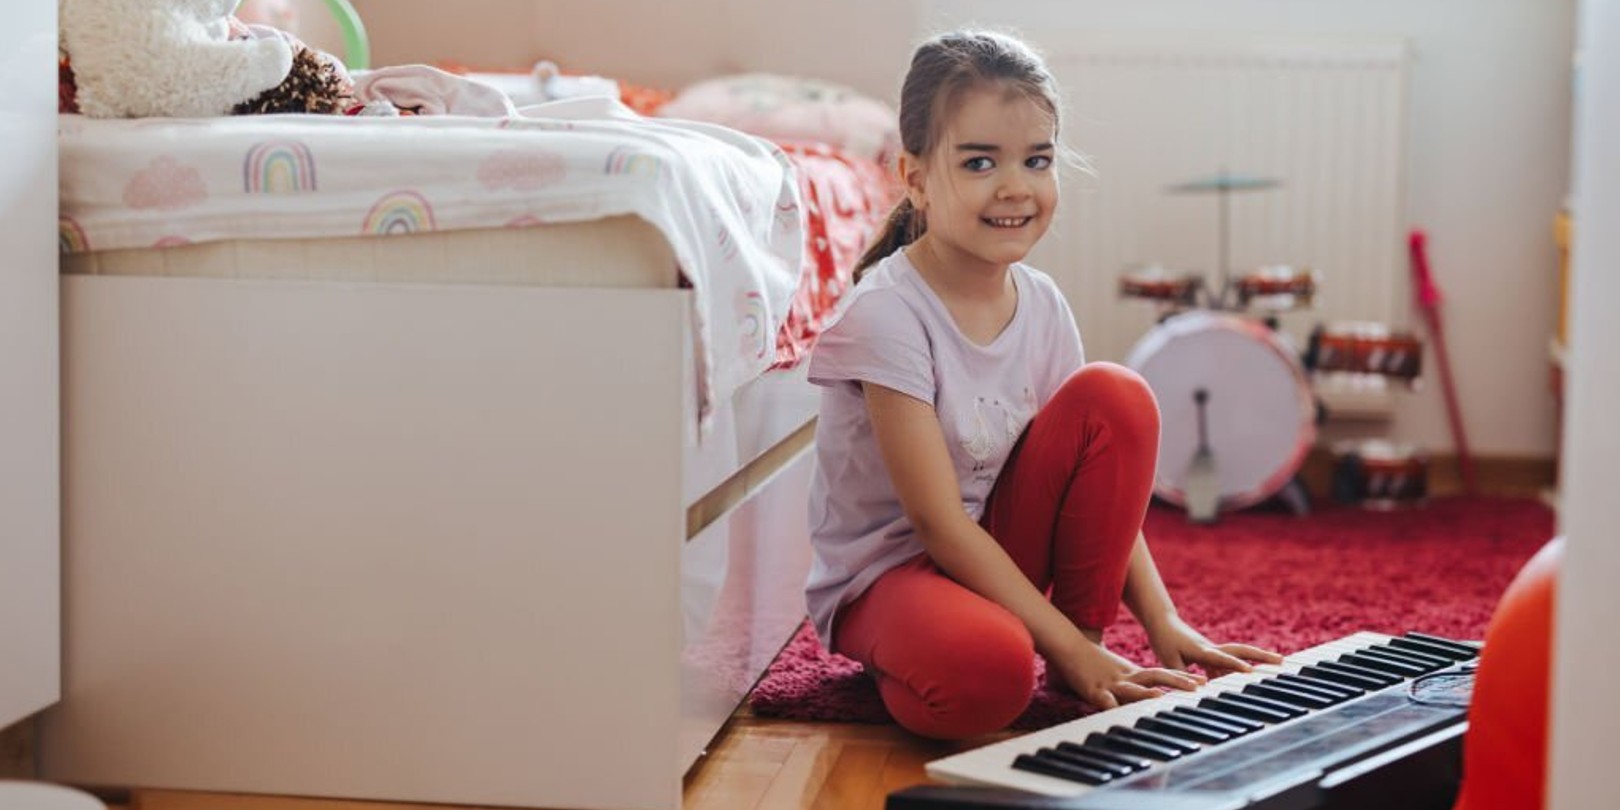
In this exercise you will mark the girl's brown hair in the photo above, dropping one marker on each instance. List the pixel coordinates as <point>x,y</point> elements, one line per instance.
<point>941,70</point>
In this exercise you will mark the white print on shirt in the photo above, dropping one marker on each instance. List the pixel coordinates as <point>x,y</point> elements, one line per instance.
<point>980,441</point>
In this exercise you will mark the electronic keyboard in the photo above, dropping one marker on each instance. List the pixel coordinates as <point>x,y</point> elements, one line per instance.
<point>1350,723</point>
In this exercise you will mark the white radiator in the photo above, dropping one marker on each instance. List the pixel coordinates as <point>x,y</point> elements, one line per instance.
<point>1326,117</point>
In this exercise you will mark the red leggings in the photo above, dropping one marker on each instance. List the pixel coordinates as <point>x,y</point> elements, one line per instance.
<point>1067,508</point>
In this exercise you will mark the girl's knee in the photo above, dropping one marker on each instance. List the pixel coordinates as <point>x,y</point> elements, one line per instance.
<point>1109,381</point>
<point>1117,393</point>
<point>981,686</point>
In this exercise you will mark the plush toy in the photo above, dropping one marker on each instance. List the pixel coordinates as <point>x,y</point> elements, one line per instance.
<point>316,82</point>
<point>280,14</point>
<point>189,58</point>
<point>137,58</point>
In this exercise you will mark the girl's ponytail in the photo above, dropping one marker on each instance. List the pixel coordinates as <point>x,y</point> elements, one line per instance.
<point>904,225</point>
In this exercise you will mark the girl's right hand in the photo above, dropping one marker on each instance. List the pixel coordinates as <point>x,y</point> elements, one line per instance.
<point>1106,679</point>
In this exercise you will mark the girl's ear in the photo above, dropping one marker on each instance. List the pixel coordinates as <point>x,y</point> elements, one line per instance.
<point>914,175</point>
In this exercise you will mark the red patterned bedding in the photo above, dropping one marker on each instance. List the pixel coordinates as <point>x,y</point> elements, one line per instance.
<point>846,200</point>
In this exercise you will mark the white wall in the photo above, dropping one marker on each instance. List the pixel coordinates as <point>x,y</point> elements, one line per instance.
<point>1587,651</point>
<point>1489,130</point>
<point>30,547</point>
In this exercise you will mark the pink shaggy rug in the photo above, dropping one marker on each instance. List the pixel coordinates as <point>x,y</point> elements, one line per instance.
<point>1271,579</point>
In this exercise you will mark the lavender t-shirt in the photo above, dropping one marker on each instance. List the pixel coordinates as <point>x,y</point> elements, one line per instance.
<point>892,330</point>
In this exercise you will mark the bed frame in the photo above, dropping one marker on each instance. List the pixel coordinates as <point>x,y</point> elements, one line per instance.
<point>412,541</point>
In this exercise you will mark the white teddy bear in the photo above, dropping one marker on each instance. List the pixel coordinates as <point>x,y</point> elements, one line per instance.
<point>139,58</point>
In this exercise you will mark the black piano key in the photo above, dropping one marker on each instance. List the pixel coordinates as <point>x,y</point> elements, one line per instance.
<point>1225,705</point>
<point>1165,724</point>
<point>1282,694</point>
<point>1315,687</point>
<point>1354,680</point>
<point>1461,649</point>
<point>1115,742</point>
<point>1376,679</point>
<point>1109,773</point>
<point>1061,770</point>
<point>1284,709</point>
<point>1409,643</point>
<point>1186,747</point>
<point>1135,763</point>
<point>1327,688</point>
<point>1421,655</point>
<point>1389,655</point>
<point>1221,721</point>
<point>1428,663</point>
<point>1396,668</point>
<point>1081,756</point>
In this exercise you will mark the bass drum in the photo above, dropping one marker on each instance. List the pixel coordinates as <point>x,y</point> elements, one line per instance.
<point>1261,412</point>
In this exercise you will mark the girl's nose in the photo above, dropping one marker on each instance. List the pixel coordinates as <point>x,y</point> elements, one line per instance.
<point>1012,188</point>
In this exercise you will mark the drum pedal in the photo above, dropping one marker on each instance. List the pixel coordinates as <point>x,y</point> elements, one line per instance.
<point>1203,479</point>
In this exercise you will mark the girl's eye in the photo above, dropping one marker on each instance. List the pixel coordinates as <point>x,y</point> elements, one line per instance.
<point>979,164</point>
<point>1039,162</point>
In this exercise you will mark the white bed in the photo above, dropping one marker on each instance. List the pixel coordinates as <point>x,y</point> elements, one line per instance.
<point>420,518</point>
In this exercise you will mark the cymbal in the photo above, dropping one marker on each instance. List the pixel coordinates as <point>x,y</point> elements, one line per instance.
<point>1224,182</point>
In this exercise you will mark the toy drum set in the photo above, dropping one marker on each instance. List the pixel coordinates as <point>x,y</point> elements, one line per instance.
<point>1260,404</point>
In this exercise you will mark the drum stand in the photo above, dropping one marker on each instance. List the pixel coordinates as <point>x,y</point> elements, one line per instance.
<point>1295,496</point>
<point>1222,185</point>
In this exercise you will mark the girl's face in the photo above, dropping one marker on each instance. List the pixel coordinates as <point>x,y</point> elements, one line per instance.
<point>990,188</point>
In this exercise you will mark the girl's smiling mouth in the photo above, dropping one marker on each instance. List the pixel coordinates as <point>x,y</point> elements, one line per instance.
<point>1007,222</point>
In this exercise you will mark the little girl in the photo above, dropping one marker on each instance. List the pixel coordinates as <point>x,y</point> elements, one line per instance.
<point>969,462</point>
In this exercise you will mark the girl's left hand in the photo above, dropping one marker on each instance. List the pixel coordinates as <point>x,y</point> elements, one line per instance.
<point>1177,645</point>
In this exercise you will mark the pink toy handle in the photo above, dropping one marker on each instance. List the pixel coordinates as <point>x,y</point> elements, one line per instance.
<point>1428,295</point>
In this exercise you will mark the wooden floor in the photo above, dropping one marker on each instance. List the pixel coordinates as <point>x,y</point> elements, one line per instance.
<point>778,765</point>
<point>755,764</point>
<point>760,764</point>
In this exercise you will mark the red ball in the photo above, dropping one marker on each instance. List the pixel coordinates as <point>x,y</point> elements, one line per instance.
<point>1505,748</point>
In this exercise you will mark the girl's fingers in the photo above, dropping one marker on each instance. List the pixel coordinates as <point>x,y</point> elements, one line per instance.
<point>1129,692</point>
<point>1220,659</point>
<point>1099,697</point>
<point>1172,679</point>
<point>1249,653</point>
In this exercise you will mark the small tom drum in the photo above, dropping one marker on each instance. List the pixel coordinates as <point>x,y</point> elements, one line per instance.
<point>1261,413</point>
<point>1364,347</point>
<point>1277,288</point>
<point>1379,475</point>
<point>1160,284</point>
